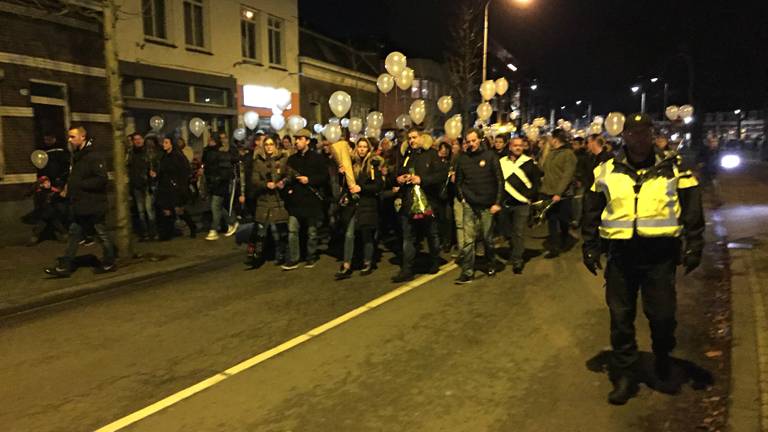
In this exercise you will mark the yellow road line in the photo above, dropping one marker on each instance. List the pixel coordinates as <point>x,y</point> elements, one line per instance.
<point>266,355</point>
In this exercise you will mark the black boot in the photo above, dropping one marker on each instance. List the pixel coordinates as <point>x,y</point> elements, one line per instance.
<point>343,273</point>
<point>624,388</point>
<point>662,366</point>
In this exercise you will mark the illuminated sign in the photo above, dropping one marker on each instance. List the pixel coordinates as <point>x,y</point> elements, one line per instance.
<point>266,97</point>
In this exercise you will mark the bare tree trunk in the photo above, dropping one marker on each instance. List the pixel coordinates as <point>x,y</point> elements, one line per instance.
<point>122,219</point>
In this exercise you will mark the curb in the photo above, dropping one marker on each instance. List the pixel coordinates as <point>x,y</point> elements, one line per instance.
<point>77,291</point>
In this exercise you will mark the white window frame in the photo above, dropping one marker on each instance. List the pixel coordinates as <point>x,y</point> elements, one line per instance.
<point>204,33</point>
<point>167,23</point>
<point>282,33</point>
<point>256,20</point>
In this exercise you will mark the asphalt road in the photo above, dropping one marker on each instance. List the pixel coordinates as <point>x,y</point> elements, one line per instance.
<point>502,354</point>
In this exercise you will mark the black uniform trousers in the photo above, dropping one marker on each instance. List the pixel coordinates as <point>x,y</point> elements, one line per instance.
<point>643,266</point>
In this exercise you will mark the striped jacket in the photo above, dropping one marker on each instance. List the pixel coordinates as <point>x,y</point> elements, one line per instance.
<point>522,178</point>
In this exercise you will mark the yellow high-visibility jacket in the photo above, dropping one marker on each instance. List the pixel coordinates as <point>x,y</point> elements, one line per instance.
<point>641,202</point>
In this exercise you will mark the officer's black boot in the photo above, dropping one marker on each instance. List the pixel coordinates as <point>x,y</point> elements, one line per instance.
<point>662,366</point>
<point>624,388</point>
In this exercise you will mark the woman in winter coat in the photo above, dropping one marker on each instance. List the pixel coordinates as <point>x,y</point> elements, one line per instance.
<point>362,215</point>
<point>269,173</point>
<point>172,177</point>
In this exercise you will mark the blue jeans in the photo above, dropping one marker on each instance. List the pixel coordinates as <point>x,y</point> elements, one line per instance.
<point>145,207</point>
<point>217,201</point>
<point>349,242</point>
<point>294,246</point>
<point>77,231</point>
<point>472,218</point>
<point>409,237</point>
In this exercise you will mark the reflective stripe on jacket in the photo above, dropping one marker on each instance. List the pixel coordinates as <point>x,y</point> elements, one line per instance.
<point>643,201</point>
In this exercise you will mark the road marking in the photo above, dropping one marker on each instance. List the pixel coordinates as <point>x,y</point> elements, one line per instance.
<point>266,355</point>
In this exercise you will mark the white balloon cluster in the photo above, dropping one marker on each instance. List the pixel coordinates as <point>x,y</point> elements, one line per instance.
<point>614,123</point>
<point>684,112</point>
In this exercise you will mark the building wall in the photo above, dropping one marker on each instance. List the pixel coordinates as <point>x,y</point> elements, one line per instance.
<point>222,54</point>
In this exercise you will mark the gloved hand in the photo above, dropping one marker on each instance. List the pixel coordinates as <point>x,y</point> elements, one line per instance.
<point>592,261</point>
<point>691,260</point>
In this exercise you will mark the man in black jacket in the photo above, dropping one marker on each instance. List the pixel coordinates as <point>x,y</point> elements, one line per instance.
<point>309,174</point>
<point>479,184</point>
<point>139,167</point>
<point>521,183</point>
<point>87,192</point>
<point>421,167</point>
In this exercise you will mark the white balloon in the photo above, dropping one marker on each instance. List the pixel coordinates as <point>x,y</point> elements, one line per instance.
<point>418,111</point>
<point>277,121</point>
<point>502,85</point>
<point>283,100</point>
<point>156,123</point>
<point>318,128</point>
<point>251,119</point>
<point>532,133</point>
<point>355,125</point>
<point>385,82</point>
<point>595,129</point>
<point>395,63</point>
<point>340,102</point>
<point>672,112</point>
<point>484,111</point>
<point>375,119</point>
<point>39,159</point>
<point>345,122</point>
<point>614,123</point>
<point>444,104</point>
<point>332,132</point>
<point>453,127</point>
<point>404,79</point>
<point>560,122</point>
<point>686,111</point>
<point>239,134</point>
<point>566,126</point>
<point>334,120</point>
<point>197,126</point>
<point>389,135</point>
<point>296,123</point>
<point>402,121</point>
<point>487,89</point>
<point>371,132</point>
<point>598,120</point>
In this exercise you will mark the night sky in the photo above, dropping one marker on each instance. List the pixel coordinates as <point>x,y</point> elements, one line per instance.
<point>585,49</point>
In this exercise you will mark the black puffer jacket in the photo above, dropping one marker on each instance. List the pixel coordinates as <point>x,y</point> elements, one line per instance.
<point>87,186</point>
<point>172,180</point>
<point>366,209</point>
<point>478,178</point>
<point>138,168</point>
<point>427,165</point>
<point>219,169</point>
<point>303,200</point>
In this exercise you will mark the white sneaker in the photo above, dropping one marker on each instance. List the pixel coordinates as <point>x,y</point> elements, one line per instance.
<point>232,229</point>
<point>212,235</point>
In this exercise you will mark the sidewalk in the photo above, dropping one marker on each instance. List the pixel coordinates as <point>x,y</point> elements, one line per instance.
<point>26,286</point>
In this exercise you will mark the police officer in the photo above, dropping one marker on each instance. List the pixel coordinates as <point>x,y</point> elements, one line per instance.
<point>643,209</point>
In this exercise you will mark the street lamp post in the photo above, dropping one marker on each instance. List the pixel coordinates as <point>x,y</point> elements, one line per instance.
<point>635,89</point>
<point>485,35</point>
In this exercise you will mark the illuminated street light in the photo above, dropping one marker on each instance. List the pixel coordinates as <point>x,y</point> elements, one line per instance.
<point>578,102</point>
<point>562,107</point>
<point>635,89</point>
<point>737,112</point>
<point>534,87</point>
<point>512,67</point>
<point>485,36</point>
<point>688,120</point>
<point>654,79</point>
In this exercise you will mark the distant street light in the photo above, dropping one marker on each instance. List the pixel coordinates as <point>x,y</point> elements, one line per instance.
<point>737,112</point>
<point>635,89</point>
<point>512,67</point>
<point>534,87</point>
<point>562,107</point>
<point>578,102</point>
<point>654,79</point>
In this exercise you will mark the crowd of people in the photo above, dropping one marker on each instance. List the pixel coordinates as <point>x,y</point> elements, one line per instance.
<point>285,196</point>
